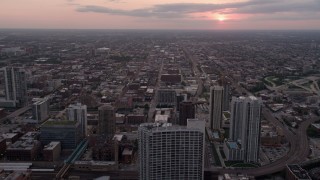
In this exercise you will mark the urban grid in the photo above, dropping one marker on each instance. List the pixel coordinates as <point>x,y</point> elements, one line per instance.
<point>162,104</point>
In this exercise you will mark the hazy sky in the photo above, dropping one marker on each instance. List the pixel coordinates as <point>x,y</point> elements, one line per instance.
<point>161,14</point>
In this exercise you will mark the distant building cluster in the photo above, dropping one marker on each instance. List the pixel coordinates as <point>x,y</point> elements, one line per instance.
<point>154,106</point>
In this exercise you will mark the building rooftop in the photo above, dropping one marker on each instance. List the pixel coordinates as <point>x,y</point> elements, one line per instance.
<point>317,126</point>
<point>23,145</point>
<point>155,125</point>
<point>51,145</point>
<point>232,145</point>
<point>127,152</point>
<point>106,107</point>
<point>9,135</point>
<point>30,135</point>
<point>253,98</point>
<point>118,137</point>
<point>161,118</point>
<point>150,91</point>
<point>77,105</point>
<point>217,87</point>
<point>59,122</point>
<point>40,101</point>
<point>215,135</point>
<point>161,127</point>
<point>96,163</point>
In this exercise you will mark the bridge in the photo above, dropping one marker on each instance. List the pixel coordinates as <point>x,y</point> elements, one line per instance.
<point>72,158</point>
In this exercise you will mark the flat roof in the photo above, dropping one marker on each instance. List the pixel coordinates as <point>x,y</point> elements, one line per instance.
<point>30,135</point>
<point>51,145</point>
<point>232,145</point>
<point>101,163</point>
<point>40,101</point>
<point>127,151</point>
<point>118,137</point>
<point>167,127</point>
<point>77,105</point>
<point>155,125</point>
<point>217,87</point>
<point>22,145</point>
<point>63,122</point>
<point>149,90</point>
<point>9,135</point>
<point>161,118</point>
<point>215,135</point>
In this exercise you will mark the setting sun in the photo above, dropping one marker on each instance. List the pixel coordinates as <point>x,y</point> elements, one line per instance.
<point>221,18</point>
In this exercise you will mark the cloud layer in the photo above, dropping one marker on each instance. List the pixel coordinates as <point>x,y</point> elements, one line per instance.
<point>182,10</point>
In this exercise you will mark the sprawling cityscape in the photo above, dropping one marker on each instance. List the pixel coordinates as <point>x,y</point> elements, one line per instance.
<point>134,104</point>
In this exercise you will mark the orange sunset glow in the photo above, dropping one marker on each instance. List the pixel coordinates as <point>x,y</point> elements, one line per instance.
<point>166,14</point>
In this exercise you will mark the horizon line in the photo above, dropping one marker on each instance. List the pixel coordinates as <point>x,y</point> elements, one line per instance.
<point>146,29</point>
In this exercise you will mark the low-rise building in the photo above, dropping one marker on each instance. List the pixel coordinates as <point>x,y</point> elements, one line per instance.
<point>95,165</point>
<point>10,137</point>
<point>270,139</point>
<point>23,150</point>
<point>171,78</point>
<point>136,118</point>
<point>51,152</point>
<point>233,151</point>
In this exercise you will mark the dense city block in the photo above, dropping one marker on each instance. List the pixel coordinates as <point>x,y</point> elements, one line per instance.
<point>138,104</point>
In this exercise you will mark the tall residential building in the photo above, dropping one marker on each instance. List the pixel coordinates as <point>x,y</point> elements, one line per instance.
<point>237,116</point>
<point>226,100</point>
<point>78,112</point>
<point>216,107</point>
<point>245,125</point>
<point>187,111</point>
<point>40,110</point>
<point>171,152</point>
<point>107,120</point>
<point>15,87</point>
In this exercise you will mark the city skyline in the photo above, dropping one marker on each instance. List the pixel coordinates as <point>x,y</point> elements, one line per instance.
<point>159,104</point>
<point>167,14</point>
